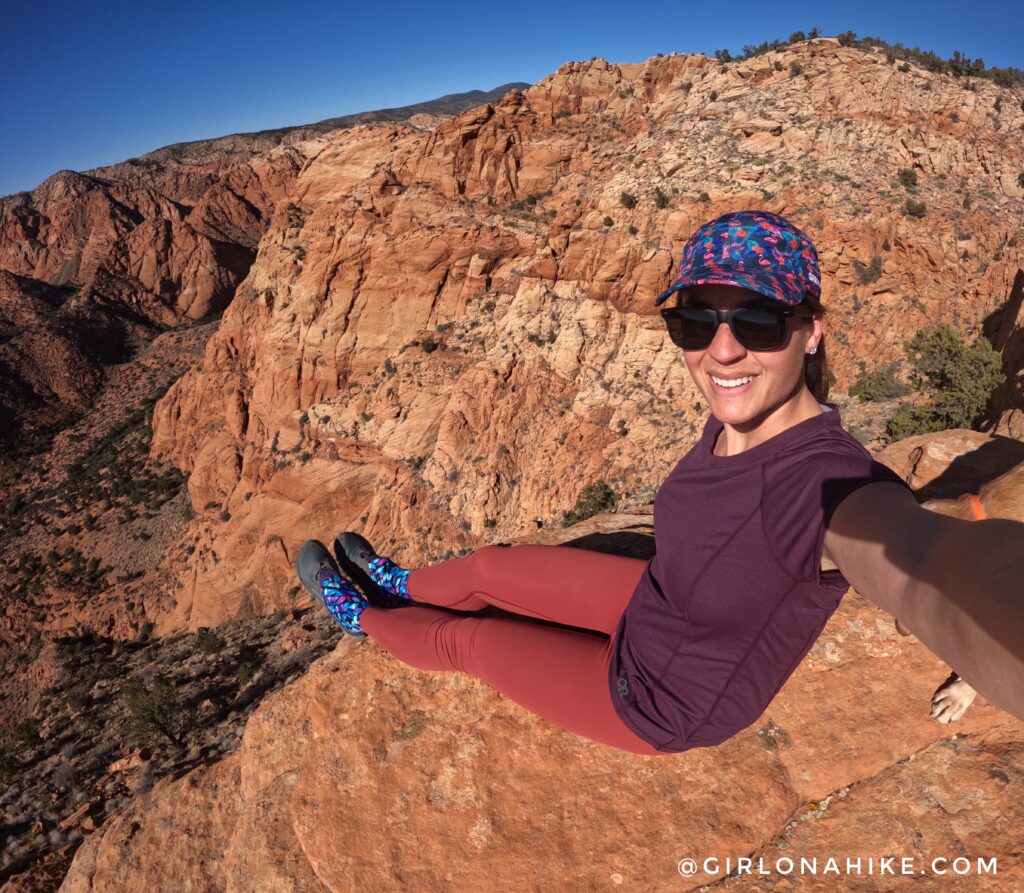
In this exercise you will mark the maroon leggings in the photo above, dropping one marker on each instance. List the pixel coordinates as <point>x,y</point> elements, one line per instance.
<point>559,674</point>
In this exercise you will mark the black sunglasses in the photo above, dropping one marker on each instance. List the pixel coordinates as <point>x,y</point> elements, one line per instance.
<point>756,328</point>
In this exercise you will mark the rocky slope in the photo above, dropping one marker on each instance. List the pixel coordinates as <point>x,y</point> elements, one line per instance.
<point>89,259</point>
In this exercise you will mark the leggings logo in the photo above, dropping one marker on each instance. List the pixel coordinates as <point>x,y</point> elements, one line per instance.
<point>623,686</point>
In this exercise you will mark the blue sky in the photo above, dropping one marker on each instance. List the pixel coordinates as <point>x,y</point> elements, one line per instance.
<point>91,83</point>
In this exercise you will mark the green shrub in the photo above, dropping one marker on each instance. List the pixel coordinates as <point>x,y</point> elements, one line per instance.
<point>868,274</point>
<point>430,345</point>
<point>26,733</point>
<point>914,208</point>
<point>9,766</point>
<point>908,178</point>
<point>713,95</point>
<point>208,642</point>
<point>847,38</point>
<point>661,200</point>
<point>1020,176</point>
<point>627,200</point>
<point>909,421</point>
<point>598,497</point>
<point>705,198</point>
<point>796,69</point>
<point>879,384</point>
<point>957,379</point>
<point>633,230</point>
<point>608,221</point>
<point>245,673</point>
<point>156,710</point>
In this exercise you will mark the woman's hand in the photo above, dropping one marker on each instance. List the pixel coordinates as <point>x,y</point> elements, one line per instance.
<point>957,585</point>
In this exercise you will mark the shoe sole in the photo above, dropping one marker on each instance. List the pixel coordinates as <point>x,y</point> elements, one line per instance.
<point>311,557</point>
<point>347,549</point>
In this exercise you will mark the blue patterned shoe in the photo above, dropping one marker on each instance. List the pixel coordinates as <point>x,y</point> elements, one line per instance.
<point>322,579</point>
<point>384,583</point>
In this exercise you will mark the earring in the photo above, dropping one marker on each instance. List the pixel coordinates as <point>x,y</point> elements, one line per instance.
<point>813,351</point>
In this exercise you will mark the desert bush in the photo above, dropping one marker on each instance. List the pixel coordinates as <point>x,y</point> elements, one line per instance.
<point>627,200</point>
<point>957,379</point>
<point>661,200</point>
<point>866,274</point>
<point>156,710</point>
<point>245,673</point>
<point>76,698</point>
<point>9,766</point>
<point>608,221</point>
<point>595,498</point>
<point>877,384</point>
<point>26,733</point>
<point>206,641</point>
<point>908,178</point>
<point>914,208</point>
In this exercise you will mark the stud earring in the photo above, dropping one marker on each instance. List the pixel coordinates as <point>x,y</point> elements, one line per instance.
<point>813,351</point>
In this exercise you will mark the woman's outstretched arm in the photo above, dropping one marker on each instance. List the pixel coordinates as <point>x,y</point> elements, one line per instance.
<point>957,585</point>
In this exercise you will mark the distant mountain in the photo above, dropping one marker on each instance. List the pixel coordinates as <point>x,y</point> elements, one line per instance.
<point>451,104</point>
<point>244,145</point>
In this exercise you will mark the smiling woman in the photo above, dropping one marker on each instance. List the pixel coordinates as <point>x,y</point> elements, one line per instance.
<point>752,370</point>
<point>759,531</point>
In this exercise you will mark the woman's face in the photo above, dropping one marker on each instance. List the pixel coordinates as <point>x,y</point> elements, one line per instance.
<point>770,379</point>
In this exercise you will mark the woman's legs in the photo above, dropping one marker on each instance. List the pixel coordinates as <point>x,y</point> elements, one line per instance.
<point>559,674</point>
<point>562,584</point>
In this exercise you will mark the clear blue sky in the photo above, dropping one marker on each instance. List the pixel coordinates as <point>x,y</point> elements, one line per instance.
<point>91,82</point>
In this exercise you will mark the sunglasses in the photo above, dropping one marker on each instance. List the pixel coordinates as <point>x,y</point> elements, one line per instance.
<point>756,328</point>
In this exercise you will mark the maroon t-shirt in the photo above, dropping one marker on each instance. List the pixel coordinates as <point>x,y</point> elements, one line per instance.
<point>734,597</point>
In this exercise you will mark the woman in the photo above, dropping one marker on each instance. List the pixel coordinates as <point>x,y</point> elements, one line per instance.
<point>759,531</point>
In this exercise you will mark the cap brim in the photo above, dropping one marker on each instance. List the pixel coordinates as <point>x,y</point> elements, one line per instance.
<point>762,284</point>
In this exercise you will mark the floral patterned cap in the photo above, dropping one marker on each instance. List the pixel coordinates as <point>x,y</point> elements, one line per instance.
<point>758,250</point>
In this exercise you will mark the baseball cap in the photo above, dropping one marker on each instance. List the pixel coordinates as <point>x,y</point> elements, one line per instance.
<point>759,250</point>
